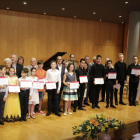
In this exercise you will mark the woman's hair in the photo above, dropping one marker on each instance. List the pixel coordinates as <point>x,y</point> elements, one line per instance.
<point>7,59</point>
<point>65,61</point>
<point>69,66</point>
<point>33,69</point>
<point>21,57</point>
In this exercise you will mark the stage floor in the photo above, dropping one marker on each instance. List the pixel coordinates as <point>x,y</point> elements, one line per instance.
<point>58,128</point>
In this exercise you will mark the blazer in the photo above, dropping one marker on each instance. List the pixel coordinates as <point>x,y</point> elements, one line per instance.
<point>62,71</point>
<point>29,69</point>
<point>18,69</point>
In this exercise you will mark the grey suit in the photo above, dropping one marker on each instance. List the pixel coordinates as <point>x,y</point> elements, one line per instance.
<point>29,68</point>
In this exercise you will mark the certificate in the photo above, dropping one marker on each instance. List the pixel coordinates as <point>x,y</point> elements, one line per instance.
<point>99,81</point>
<point>50,85</point>
<point>14,88</point>
<point>118,86</point>
<point>38,85</point>
<point>83,79</point>
<point>4,80</point>
<point>74,85</point>
<point>26,83</point>
<point>42,79</point>
<point>135,71</point>
<point>112,75</point>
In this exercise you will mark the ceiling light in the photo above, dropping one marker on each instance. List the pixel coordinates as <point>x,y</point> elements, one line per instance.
<point>44,13</point>
<point>24,2</point>
<point>120,16</point>
<point>74,16</point>
<point>100,20</point>
<point>7,8</point>
<point>126,2</point>
<point>63,9</point>
<point>122,22</point>
<point>94,13</point>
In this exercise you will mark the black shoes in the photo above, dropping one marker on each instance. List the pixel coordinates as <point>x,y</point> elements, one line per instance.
<point>48,114</point>
<point>74,110</point>
<point>20,119</point>
<point>24,119</point>
<point>113,106</point>
<point>107,106</point>
<point>58,114</point>
<point>97,106</point>
<point>122,103</point>
<point>134,104</point>
<point>1,123</point>
<point>83,105</point>
<point>82,109</point>
<point>116,103</point>
<point>101,101</point>
<point>93,106</point>
<point>60,110</point>
<point>130,104</point>
<point>86,103</point>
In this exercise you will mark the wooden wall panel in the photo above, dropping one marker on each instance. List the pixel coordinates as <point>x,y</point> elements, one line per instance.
<point>40,36</point>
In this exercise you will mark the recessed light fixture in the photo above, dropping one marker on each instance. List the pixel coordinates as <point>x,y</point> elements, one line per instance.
<point>122,22</point>
<point>7,8</point>
<point>63,9</point>
<point>74,16</point>
<point>44,13</point>
<point>94,13</point>
<point>126,2</point>
<point>24,2</point>
<point>120,16</point>
<point>100,20</point>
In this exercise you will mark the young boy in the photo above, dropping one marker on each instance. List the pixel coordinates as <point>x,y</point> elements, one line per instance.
<point>40,73</point>
<point>109,85</point>
<point>53,75</point>
<point>24,95</point>
<point>3,94</point>
<point>133,81</point>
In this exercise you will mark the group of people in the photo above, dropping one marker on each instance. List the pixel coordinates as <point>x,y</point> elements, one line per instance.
<point>62,73</point>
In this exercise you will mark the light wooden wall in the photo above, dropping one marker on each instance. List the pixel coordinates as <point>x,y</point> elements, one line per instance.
<point>40,36</point>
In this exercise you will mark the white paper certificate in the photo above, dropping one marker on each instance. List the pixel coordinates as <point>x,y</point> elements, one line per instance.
<point>118,86</point>
<point>42,79</point>
<point>83,79</point>
<point>3,80</point>
<point>50,85</point>
<point>38,85</point>
<point>14,88</point>
<point>74,85</point>
<point>135,71</point>
<point>99,81</point>
<point>26,83</point>
<point>112,75</point>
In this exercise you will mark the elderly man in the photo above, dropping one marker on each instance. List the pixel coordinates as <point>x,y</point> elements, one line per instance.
<point>72,58</point>
<point>8,63</point>
<point>18,68</point>
<point>32,65</point>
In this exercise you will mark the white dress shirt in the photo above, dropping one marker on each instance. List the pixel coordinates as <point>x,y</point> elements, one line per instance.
<point>21,78</point>
<point>53,76</point>
<point>60,68</point>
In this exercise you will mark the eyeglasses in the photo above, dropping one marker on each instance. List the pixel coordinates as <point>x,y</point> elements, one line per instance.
<point>72,57</point>
<point>59,59</point>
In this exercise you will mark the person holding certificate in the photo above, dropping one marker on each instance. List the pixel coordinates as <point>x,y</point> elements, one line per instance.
<point>80,72</point>
<point>97,74</point>
<point>3,93</point>
<point>12,105</point>
<point>68,93</point>
<point>33,95</point>
<point>110,84</point>
<point>24,94</point>
<point>120,68</point>
<point>53,76</point>
<point>133,81</point>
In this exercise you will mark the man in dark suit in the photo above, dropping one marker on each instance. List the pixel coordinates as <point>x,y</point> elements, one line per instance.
<point>61,68</point>
<point>18,67</point>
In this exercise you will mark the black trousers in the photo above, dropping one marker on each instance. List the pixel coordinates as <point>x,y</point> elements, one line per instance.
<point>60,93</point>
<point>109,92</point>
<point>96,91</point>
<point>103,91</point>
<point>132,91</point>
<point>2,103</point>
<point>121,91</point>
<point>88,90</point>
<point>53,100</point>
<point>24,99</point>
<point>80,92</point>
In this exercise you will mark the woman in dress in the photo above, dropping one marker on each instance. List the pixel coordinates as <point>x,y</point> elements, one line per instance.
<point>12,105</point>
<point>34,95</point>
<point>69,94</point>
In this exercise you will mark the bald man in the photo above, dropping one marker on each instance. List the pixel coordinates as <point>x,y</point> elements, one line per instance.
<point>18,68</point>
<point>61,68</point>
<point>32,65</point>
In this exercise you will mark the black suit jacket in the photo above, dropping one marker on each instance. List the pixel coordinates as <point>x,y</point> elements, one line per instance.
<point>62,72</point>
<point>18,70</point>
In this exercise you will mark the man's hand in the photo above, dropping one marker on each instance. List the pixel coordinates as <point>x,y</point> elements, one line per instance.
<point>113,86</point>
<point>125,82</point>
<point>106,75</point>
<point>22,88</point>
<point>136,75</point>
<point>58,91</point>
<point>94,83</point>
<point>3,86</point>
